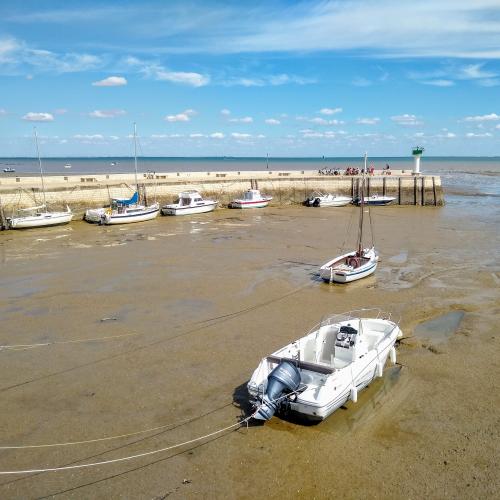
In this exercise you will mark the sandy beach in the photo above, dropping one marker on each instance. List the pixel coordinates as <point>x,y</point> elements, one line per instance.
<point>181,310</point>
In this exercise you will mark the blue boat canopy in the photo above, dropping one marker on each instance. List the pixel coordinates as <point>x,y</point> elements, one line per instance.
<point>131,201</point>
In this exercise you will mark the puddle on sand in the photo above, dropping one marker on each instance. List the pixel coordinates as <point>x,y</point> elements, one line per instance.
<point>441,328</point>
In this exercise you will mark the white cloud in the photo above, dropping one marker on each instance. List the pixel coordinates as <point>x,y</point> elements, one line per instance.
<point>225,112</point>
<point>196,136</point>
<point>185,116</point>
<point>330,111</point>
<point>498,126</point>
<point>3,112</point>
<point>489,82</point>
<point>38,117</point>
<point>272,121</point>
<point>267,80</point>
<point>439,83</point>
<point>473,135</point>
<point>111,81</point>
<point>60,111</point>
<point>89,137</point>
<point>185,78</point>
<point>473,72</point>
<point>217,135</point>
<point>107,113</point>
<point>246,119</point>
<point>406,119</point>
<point>367,121</point>
<point>237,135</point>
<point>361,82</point>
<point>482,118</point>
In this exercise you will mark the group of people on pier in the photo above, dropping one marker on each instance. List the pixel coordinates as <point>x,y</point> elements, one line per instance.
<point>353,171</point>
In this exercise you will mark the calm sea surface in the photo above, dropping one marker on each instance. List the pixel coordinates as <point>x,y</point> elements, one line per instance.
<point>468,181</point>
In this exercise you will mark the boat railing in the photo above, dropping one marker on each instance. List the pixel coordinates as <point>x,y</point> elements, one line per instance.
<point>364,313</point>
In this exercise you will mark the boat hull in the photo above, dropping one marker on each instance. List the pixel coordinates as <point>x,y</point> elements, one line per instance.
<point>250,204</point>
<point>149,213</point>
<point>330,273</point>
<point>377,201</point>
<point>43,219</point>
<point>336,361</point>
<point>178,210</point>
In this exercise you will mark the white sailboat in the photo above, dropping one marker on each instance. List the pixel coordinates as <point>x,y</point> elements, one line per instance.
<point>39,216</point>
<point>124,211</point>
<point>353,265</point>
<point>320,372</point>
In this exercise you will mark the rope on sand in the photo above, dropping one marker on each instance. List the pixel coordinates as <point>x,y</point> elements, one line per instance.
<point>16,347</point>
<point>131,457</point>
<point>97,440</point>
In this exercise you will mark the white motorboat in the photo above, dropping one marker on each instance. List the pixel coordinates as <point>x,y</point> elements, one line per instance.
<point>188,203</point>
<point>39,216</point>
<point>377,200</point>
<point>68,165</point>
<point>251,199</point>
<point>9,170</point>
<point>327,200</point>
<point>356,264</point>
<point>124,211</point>
<point>317,374</point>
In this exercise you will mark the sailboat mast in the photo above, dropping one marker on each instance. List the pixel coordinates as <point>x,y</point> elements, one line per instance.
<point>135,157</point>
<point>361,207</point>
<point>40,165</point>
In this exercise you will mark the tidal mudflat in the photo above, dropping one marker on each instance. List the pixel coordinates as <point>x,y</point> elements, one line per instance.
<point>115,330</point>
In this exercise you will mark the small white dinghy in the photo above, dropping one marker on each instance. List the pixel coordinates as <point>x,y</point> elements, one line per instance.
<point>376,200</point>
<point>356,264</point>
<point>39,217</point>
<point>188,203</point>
<point>318,373</point>
<point>327,200</point>
<point>251,199</point>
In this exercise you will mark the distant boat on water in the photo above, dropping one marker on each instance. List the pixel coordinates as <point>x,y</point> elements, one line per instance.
<point>68,165</point>
<point>9,170</point>
<point>113,163</point>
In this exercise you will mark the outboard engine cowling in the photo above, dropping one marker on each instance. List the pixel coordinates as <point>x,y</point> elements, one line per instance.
<point>283,379</point>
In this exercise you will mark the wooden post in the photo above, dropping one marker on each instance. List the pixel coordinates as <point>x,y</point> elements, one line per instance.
<point>415,190</point>
<point>352,188</point>
<point>383,186</point>
<point>434,190</point>
<point>368,188</point>
<point>423,191</point>
<point>3,221</point>
<point>399,190</point>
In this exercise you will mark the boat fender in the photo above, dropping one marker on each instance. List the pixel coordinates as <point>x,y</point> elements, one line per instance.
<point>380,369</point>
<point>354,394</point>
<point>285,378</point>
<point>392,354</point>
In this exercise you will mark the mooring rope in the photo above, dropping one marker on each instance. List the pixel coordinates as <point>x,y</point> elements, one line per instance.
<point>130,457</point>
<point>77,341</point>
<point>97,440</point>
<point>144,454</point>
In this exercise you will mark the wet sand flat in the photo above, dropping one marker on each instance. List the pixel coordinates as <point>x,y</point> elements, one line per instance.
<point>190,306</point>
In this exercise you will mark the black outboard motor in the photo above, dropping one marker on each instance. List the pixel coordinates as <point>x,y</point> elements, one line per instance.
<point>283,379</point>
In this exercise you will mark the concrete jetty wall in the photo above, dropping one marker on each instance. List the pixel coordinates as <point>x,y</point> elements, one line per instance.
<point>286,187</point>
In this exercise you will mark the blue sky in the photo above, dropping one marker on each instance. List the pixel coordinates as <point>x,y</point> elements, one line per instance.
<point>286,78</point>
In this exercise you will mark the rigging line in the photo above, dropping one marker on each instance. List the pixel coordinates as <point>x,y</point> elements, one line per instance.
<point>107,438</point>
<point>78,341</point>
<point>130,457</point>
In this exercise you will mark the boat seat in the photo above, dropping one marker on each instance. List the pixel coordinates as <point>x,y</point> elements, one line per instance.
<point>304,365</point>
